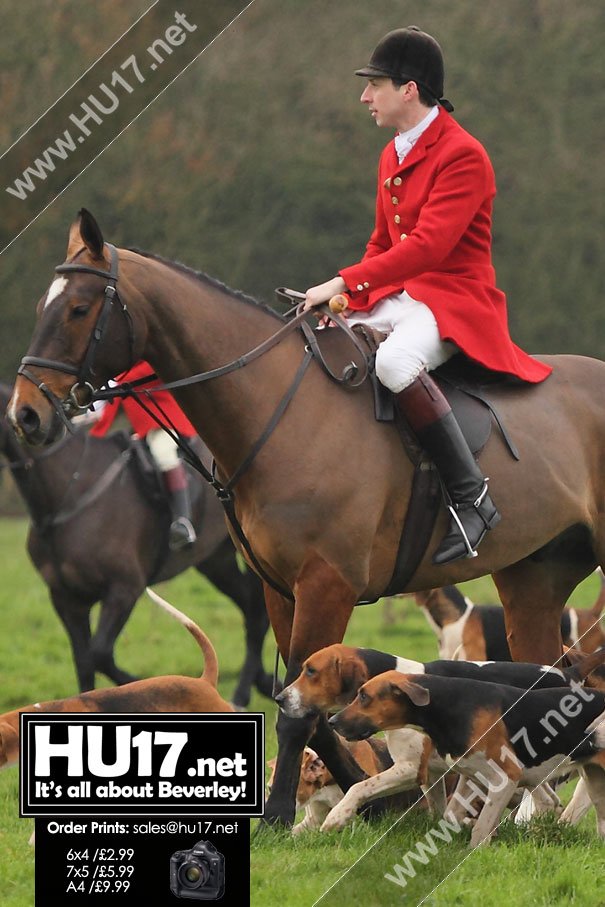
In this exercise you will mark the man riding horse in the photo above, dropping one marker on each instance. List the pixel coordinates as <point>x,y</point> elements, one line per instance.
<point>164,450</point>
<point>427,278</point>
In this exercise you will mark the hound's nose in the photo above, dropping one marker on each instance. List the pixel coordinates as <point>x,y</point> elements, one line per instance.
<point>27,421</point>
<point>280,697</point>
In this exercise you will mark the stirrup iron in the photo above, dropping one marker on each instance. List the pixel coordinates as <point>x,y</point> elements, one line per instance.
<point>471,551</point>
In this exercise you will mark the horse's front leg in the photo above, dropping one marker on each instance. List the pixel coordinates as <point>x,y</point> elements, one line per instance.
<point>324,602</point>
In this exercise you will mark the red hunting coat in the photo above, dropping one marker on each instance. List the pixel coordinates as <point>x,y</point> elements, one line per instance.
<point>433,238</point>
<point>141,422</point>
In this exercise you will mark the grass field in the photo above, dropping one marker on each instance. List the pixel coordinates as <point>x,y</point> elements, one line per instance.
<point>544,865</point>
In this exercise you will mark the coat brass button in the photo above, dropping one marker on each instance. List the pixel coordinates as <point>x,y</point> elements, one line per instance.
<point>394,199</point>
<point>387,183</point>
<point>397,219</point>
<point>397,181</point>
<point>403,236</point>
<point>360,286</point>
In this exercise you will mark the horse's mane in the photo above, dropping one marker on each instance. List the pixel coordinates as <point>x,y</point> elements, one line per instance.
<point>211,281</point>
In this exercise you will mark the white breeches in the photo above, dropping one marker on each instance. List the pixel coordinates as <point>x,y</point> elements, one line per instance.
<point>413,341</point>
<point>164,449</point>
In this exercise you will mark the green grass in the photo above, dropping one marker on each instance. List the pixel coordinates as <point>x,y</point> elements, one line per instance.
<point>544,865</point>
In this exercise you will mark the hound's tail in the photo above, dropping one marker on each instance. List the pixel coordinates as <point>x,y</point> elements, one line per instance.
<point>210,672</point>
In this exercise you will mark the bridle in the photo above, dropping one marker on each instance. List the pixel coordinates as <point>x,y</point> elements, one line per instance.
<point>81,393</point>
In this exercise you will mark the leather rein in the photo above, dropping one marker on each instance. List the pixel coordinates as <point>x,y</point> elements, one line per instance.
<point>82,394</point>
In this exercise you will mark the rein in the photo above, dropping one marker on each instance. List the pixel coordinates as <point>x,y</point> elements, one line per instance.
<point>28,462</point>
<point>131,389</point>
<point>64,514</point>
<point>115,468</point>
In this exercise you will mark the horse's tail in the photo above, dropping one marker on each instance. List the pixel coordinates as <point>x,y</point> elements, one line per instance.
<point>210,672</point>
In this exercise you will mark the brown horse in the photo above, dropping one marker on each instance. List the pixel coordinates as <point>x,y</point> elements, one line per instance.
<point>96,534</point>
<point>323,501</point>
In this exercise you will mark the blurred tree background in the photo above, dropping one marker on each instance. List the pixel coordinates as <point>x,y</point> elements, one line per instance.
<point>258,164</point>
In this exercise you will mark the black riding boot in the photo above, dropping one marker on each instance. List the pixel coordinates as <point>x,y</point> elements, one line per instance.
<point>182,533</point>
<point>472,510</point>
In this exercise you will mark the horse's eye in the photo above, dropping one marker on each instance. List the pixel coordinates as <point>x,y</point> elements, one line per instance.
<point>79,311</point>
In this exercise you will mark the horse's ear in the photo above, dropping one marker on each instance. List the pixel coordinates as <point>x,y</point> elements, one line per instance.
<point>85,231</point>
<point>419,695</point>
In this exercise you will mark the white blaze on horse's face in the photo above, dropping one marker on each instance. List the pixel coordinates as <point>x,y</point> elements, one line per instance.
<point>55,289</point>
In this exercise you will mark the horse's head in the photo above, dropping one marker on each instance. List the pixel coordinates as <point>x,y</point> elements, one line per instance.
<point>83,337</point>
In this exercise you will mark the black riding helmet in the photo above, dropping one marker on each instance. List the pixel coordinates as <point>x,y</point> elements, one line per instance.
<point>409,54</point>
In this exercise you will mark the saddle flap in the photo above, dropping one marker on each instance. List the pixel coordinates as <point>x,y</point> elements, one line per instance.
<point>472,415</point>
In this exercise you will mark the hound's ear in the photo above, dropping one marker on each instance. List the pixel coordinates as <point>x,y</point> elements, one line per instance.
<point>419,695</point>
<point>314,769</point>
<point>352,675</point>
<point>422,598</point>
<point>571,657</point>
<point>85,231</point>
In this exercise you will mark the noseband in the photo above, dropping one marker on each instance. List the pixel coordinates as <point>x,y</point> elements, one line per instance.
<point>81,393</point>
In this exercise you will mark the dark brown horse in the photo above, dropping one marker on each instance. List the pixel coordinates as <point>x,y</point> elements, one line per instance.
<point>323,501</point>
<point>97,535</point>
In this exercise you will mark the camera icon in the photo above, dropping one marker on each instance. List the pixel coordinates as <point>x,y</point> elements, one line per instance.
<point>199,873</point>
